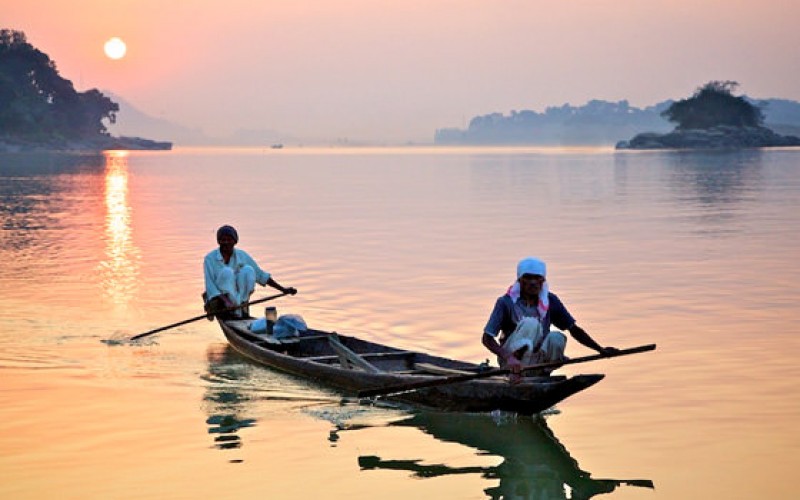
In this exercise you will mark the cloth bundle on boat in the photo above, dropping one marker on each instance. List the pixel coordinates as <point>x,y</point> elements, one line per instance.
<point>287,325</point>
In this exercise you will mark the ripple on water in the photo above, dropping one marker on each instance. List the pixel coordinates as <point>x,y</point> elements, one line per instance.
<point>17,356</point>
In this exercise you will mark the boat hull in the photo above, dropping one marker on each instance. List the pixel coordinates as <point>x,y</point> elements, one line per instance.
<point>311,357</point>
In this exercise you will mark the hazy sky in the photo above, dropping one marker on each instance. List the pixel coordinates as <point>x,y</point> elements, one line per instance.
<point>397,70</point>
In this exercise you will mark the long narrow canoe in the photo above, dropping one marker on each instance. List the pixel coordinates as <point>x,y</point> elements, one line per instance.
<point>351,364</point>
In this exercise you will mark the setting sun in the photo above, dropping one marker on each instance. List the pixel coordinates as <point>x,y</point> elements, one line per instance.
<point>115,48</point>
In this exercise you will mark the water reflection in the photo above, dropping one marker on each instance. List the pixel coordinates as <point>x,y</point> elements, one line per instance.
<point>225,404</point>
<point>34,194</point>
<point>37,164</point>
<point>714,178</point>
<point>120,269</point>
<point>535,463</point>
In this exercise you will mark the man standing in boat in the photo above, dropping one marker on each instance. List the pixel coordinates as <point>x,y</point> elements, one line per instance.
<point>231,275</point>
<point>522,317</point>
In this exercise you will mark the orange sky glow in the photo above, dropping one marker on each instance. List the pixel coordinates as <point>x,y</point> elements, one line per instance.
<point>397,71</point>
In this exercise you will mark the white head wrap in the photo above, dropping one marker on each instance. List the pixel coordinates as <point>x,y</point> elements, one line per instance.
<point>531,265</point>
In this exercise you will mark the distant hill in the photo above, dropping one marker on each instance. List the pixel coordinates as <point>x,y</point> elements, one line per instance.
<point>133,122</point>
<point>782,115</point>
<point>130,121</point>
<point>595,123</point>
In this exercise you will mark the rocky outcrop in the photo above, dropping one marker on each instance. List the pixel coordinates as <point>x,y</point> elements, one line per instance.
<point>720,137</point>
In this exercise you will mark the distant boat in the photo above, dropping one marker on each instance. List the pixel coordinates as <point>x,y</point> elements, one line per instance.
<point>277,146</point>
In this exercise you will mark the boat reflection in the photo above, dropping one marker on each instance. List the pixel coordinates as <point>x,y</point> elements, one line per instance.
<point>535,463</point>
<point>237,391</point>
<point>224,402</point>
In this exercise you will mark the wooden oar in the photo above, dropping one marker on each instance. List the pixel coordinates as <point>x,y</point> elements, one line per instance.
<point>412,386</point>
<point>196,318</point>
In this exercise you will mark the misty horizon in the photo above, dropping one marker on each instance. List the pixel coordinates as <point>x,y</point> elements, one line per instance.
<point>382,71</point>
<point>132,121</point>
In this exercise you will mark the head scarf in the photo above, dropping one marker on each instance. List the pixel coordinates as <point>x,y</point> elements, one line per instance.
<point>532,265</point>
<point>227,230</point>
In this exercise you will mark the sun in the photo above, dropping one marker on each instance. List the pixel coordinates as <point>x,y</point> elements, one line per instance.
<point>115,48</point>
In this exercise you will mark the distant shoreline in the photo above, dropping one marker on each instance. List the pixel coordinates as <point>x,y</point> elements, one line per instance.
<point>96,145</point>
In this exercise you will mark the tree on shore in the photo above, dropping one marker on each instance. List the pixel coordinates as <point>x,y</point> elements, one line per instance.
<point>37,104</point>
<point>712,105</point>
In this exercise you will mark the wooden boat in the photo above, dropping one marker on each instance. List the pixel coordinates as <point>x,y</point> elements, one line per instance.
<point>352,364</point>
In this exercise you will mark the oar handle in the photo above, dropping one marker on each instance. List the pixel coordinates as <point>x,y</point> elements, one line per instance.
<point>583,359</point>
<point>412,386</point>
<point>196,318</point>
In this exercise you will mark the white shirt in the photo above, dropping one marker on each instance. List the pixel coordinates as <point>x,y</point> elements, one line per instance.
<point>214,263</point>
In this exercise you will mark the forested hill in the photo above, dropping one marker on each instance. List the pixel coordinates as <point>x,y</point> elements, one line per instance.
<point>39,109</point>
<point>595,123</point>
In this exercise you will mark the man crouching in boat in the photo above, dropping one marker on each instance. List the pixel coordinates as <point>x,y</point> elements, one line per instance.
<point>524,315</point>
<point>231,275</point>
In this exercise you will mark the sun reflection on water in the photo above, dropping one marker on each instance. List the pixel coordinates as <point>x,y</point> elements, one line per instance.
<point>120,269</point>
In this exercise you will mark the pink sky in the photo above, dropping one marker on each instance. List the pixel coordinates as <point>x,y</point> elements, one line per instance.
<point>396,71</point>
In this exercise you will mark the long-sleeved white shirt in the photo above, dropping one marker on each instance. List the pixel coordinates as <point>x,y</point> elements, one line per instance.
<point>214,263</point>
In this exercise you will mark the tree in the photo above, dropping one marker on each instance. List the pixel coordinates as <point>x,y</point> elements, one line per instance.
<point>712,105</point>
<point>36,103</point>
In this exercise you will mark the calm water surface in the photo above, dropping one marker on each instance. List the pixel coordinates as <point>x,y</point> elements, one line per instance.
<point>696,252</point>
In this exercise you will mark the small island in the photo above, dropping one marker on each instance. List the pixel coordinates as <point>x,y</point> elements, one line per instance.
<point>713,118</point>
<point>41,111</point>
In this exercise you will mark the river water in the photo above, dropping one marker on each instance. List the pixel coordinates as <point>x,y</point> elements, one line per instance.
<point>694,251</point>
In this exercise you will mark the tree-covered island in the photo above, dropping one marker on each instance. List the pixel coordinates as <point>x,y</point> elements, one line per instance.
<point>40,110</point>
<point>604,123</point>
<point>712,118</point>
